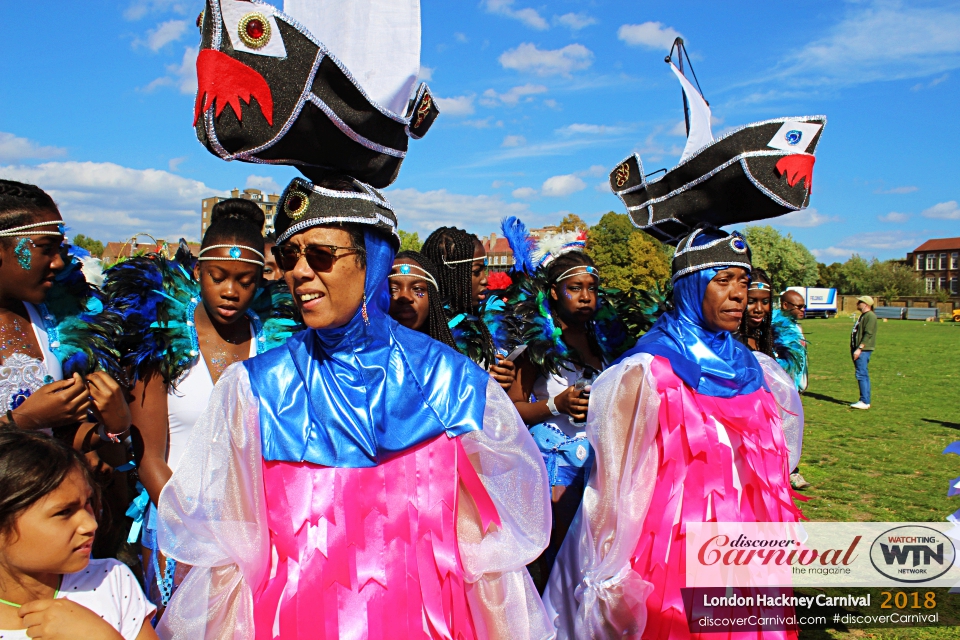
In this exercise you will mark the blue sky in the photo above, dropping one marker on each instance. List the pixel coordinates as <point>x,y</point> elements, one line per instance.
<point>539,101</point>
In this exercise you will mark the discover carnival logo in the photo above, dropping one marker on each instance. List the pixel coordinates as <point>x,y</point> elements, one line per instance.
<point>912,554</point>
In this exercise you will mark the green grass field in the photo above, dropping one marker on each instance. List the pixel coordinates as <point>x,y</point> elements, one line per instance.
<point>884,464</point>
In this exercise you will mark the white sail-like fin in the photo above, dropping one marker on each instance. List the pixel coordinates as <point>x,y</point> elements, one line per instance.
<point>700,132</point>
<point>377,40</point>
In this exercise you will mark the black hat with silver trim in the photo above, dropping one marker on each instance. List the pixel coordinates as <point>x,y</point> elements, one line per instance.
<point>344,200</point>
<point>708,248</point>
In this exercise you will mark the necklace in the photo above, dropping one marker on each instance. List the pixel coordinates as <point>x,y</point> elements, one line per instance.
<point>17,606</point>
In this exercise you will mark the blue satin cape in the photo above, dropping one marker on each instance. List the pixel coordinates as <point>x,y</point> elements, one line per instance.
<point>714,363</point>
<point>355,395</point>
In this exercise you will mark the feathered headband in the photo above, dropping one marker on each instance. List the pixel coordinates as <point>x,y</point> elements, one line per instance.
<point>530,254</point>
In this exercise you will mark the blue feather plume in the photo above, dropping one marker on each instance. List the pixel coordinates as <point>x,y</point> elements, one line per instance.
<point>521,243</point>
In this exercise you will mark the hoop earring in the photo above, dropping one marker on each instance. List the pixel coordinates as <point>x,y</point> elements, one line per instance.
<point>363,311</point>
<point>24,257</point>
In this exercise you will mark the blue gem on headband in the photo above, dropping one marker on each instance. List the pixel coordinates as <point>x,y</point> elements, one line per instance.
<point>62,228</point>
<point>405,269</point>
<point>591,270</point>
<point>738,245</point>
<point>235,253</point>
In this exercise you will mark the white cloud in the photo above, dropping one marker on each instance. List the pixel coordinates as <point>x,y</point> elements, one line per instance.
<point>426,73</point>
<point>163,34</point>
<point>499,184</point>
<point>525,193</point>
<point>575,21</point>
<point>483,123</point>
<point>461,38</point>
<point>561,186</point>
<point>183,76</point>
<point>931,84</point>
<point>139,9</point>
<point>456,106</point>
<point>595,171</point>
<point>14,149</point>
<point>943,211</point>
<point>906,189</point>
<point>527,58</point>
<point>805,218</point>
<point>529,17</point>
<point>551,103</point>
<point>881,40</point>
<point>264,183</point>
<point>680,129</point>
<point>603,187</point>
<point>111,202</point>
<point>426,210</point>
<point>652,35</point>
<point>513,96</point>
<point>870,243</point>
<point>174,163</point>
<point>513,141</point>
<point>591,129</point>
<point>893,216</point>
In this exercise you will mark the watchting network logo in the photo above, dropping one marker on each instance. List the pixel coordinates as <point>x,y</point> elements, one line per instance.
<point>912,554</point>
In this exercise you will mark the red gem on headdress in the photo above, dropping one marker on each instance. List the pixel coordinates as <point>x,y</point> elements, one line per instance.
<point>255,28</point>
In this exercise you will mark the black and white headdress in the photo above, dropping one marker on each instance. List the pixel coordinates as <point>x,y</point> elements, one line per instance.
<point>312,87</point>
<point>729,250</point>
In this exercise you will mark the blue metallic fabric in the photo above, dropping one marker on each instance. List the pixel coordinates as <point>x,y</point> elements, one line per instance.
<point>355,395</point>
<point>713,362</point>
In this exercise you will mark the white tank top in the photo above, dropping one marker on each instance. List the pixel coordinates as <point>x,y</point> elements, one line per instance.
<point>187,402</point>
<point>553,385</point>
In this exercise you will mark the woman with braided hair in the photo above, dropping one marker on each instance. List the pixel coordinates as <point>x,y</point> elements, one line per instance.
<point>415,297</point>
<point>755,330</point>
<point>58,369</point>
<point>462,278</point>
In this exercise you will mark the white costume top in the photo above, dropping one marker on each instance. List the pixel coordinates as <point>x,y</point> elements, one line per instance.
<point>551,385</point>
<point>21,373</point>
<point>109,589</point>
<point>186,403</point>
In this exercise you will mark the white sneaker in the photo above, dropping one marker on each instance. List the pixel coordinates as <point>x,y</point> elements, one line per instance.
<point>859,405</point>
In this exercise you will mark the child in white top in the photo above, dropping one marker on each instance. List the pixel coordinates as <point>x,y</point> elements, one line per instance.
<point>49,586</point>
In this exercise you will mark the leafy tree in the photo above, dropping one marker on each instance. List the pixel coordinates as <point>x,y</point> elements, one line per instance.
<point>829,275</point>
<point>855,277</point>
<point>786,261</point>
<point>95,247</point>
<point>626,256</point>
<point>572,222</point>
<point>409,241</point>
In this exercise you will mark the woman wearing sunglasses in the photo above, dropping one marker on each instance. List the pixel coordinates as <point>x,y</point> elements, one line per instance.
<point>363,476</point>
<point>181,331</point>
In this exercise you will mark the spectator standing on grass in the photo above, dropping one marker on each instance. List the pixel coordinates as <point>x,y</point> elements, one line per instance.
<point>863,340</point>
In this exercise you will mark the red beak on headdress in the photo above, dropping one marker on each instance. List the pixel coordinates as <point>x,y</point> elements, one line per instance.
<point>222,80</point>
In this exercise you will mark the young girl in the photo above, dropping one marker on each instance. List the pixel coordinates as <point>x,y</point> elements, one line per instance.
<point>48,348</point>
<point>415,297</point>
<point>755,331</point>
<point>182,331</point>
<point>49,586</point>
<point>462,278</point>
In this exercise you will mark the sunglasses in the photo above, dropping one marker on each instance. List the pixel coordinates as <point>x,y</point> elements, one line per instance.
<point>320,257</point>
<point>795,306</point>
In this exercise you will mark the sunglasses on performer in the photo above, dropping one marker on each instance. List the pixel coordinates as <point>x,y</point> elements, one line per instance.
<point>320,257</point>
<point>795,306</point>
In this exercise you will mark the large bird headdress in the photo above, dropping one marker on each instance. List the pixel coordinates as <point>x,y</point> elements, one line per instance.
<point>326,85</point>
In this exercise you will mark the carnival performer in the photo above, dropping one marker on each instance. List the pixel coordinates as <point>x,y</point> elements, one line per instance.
<point>59,368</point>
<point>557,304</point>
<point>755,331</point>
<point>462,278</point>
<point>181,331</point>
<point>689,426</point>
<point>415,297</point>
<point>362,481</point>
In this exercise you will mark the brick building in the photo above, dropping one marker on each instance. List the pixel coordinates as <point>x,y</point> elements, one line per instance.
<point>267,202</point>
<point>499,254</point>
<point>937,263</point>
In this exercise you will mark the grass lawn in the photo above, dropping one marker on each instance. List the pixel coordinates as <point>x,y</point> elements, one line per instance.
<point>884,464</point>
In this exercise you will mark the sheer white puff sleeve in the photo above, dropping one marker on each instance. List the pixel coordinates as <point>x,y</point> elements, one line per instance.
<point>784,391</point>
<point>503,599</point>
<point>213,517</point>
<point>593,592</point>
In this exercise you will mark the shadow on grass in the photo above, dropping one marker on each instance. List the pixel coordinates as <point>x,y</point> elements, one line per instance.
<point>820,396</point>
<point>942,423</point>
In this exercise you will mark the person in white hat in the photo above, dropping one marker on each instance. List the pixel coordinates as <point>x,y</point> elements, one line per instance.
<point>863,340</point>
